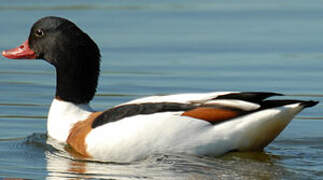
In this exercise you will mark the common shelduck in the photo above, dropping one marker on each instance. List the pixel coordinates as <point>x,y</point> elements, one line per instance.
<point>197,123</point>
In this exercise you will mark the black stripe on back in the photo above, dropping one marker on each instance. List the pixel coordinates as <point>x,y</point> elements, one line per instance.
<point>120,112</point>
<point>255,97</point>
<point>128,110</point>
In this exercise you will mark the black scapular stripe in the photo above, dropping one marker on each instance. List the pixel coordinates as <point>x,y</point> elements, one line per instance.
<point>120,112</point>
<point>128,110</point>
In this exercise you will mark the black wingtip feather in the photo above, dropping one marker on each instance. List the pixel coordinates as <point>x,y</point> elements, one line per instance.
<point>307,104</point>
<point>277,103</point>
<point>259,98</point>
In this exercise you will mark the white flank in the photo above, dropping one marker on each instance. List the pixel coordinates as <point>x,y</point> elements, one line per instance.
<point>136,137</point>
<point>62,116</point>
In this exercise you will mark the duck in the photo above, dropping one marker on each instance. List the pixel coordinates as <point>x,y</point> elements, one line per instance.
<point>202,124</point>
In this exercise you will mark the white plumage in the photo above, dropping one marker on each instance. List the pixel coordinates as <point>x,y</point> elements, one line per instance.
<point>135,137</point>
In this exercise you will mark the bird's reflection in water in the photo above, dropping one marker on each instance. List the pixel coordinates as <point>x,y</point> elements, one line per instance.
<point>65,163</point>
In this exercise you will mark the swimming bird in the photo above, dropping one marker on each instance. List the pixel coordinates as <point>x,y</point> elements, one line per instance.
<point>193,123</point>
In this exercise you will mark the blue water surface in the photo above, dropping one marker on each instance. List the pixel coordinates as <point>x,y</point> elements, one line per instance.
<point>163,47</point>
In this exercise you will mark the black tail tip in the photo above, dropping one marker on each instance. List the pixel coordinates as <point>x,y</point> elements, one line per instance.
<point>307,104</point>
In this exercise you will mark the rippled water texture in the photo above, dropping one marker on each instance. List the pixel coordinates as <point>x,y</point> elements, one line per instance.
<point>162,47</point>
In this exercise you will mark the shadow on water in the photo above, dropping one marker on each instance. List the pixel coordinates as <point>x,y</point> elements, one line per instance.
<point>60,164</point>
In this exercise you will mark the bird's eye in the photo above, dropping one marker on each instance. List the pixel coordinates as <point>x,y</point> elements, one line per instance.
<point>39,33</point>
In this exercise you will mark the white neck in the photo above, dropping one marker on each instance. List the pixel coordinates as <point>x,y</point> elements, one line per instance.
<point>63,115</point>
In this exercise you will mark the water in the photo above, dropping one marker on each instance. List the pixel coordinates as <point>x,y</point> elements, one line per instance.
<point>164,47</point>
